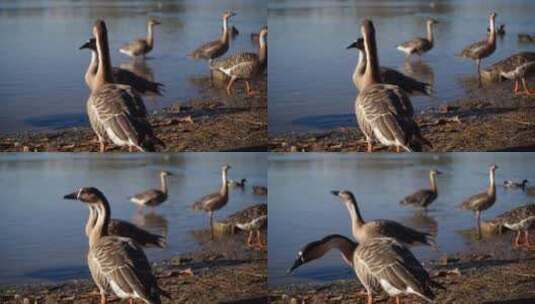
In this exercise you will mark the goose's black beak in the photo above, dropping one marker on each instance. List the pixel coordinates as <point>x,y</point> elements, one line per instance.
<point>86,45</point>
<point>335,193</point>
<point>352,46</point>
<point>71,196</point>
<point>298,262</point>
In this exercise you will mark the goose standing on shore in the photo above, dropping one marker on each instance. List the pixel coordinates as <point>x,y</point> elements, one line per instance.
<point>423,198</point>
<point>387,75</point>
<point>482,201</point>
<point>482,49</point>
<point>363,231</point>
<point>214,201</point>
<point>519,219</point>
<point>255,227</point>
<point>244,65</point>
<point>140,47</point>
<point>380,263</point>
<point>518,67</point>
<point>216,48</point>
<point>120,76</point>
<point>153,197</point>
<point>116,112</point>
<point>419,45</point>
<point>384,112</point>
<point>116,264</point>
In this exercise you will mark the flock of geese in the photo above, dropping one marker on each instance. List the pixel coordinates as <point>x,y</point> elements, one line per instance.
<point>379,252</point>
<point>116,259</point>
<point>383,108</point>
<point>116,110</point>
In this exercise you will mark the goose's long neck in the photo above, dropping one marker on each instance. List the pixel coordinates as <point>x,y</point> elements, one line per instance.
<point>100,229</point>
<point>104,75</point>
<point>262,49</point>
<point>150,37</point>
<point>224,183</point>
<point>430,32</point>
<point>345,246</point>
<point>433,180</point>
<point>225,36</point>
<point>360,68</point>
<point>371,75</point>
<point>90,221</point>
<point>492,36</point>
<point>163,183</point>
<point>91,72</point>
<point>492,185</point>
<point>356,217</point>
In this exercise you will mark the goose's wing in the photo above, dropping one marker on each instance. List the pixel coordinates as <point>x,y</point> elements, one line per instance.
<point>147,196</point>
<point>473,50</point>
<point>206,202</point>
<point>140,84</point>
<point>121,228</point>
<point>419,197</point>
<point>403,233</point>
<point>417,43</point>
<point>408,84</point>
<point>135,47</point>
<point>206,50</point>
<point>126,267</point>
<point>240,64</point>
<point>474,201</point>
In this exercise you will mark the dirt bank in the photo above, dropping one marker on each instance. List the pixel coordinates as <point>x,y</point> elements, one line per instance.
<point>488,272</point>
<point>213,122</point>
<point>487,119</point>
<point>221,271</point>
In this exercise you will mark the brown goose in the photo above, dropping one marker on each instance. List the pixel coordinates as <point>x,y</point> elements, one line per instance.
<point>384,112</point>
<point>519,219</point>
<point>116,264</point>
<point>214,201</point>
<point>363,231</point>
<point>116,112</point>
<point>518,67</point>
<point>244,65</point>
<point>153,197</point>
<point>216,48</point>
<point>380,263</point>
<point>121,228</point>
<point>424,197</point>
<point>120,76</point>
<point>255,227</point>
<point>482,201</point>
<point>482,49</point>
<point>419,45</point>
<point>140,47</point>
<point>387,75</point>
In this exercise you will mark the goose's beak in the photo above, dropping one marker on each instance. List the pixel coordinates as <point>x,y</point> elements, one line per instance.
<point>71,196</point>
<point>298,262</point>
<point>335,193</point>
<point>352,46</point>
<point>85,46</point>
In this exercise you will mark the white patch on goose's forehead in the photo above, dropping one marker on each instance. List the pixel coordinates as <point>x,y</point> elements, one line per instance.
<point>300,253</point>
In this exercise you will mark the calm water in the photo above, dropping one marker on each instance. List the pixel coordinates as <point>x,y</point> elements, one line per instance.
<point>301,209</point>
<point>42,85</point>
<point>310,70</point>
<point>43,235</point>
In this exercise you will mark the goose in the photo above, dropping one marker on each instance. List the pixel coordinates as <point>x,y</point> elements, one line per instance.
<point>526,38</point>
<point>482,49</point>
<point>387,75</point>
<point>424,197</point>
<point>379,263</point>
<point>216,48</point>
<point>237,184</point>
<point>120,76</point>
<point>363,231</point>
<point>260,190</point>
<point>519,219</point>
<point>116,112</point>
<point>419,45</point>
<point>509,184</point>
<point>214,201</point>
<point>243,65</point>
<point>122,228</point>
<point>141,47</point>
<point>482,201</point>
<point>116,263</point>
<point>518,67</point>
<point>254,227</point>
<point>384,111</point>
<point>153,197</point>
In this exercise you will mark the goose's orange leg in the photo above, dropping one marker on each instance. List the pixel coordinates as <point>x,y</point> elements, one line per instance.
<point>527,90</point>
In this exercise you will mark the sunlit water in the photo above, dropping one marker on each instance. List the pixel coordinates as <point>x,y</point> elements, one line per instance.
<point>302,210</point>
<point>43,238</point>
<point>41,83</point>
<point>310,70</point>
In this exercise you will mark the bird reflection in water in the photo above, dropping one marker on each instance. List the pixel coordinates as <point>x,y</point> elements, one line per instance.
<point>421,220</point>
<point>420,70</point>
<point>152,222</point>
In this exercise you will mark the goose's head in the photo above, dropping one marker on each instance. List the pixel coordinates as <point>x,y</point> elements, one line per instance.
<point>100,30</point>
<point>166,173</point>
<point>88,195</point>
<point>357,44</point>
<point>345,196</point>
<point>432,21</point>
<point>225,168</point>
<point>435,172</point>
<point>153,22</point>
<point>228,14</point>
<point>90,44</point>
<point>493,168</point>
<point>493,16</point>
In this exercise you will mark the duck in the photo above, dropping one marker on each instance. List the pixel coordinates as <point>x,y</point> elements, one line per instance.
<point>509,184</point>
<point>526,38</point>
<point>214,201</point>
<point>419,45</point>
<point>153,197</point>
<point>260,190</point>
<point>254,226</point>
<point>117,264</point>
<point>379,263</point>
<point>237,184</point>
<point>120,228</point>
<point>518,67</point>
<point>424,197</point>
<point>482,49</point>
<point>116,112</point>
<point>482,201</point>
<point>243,65</point>
<point>120,76</point>
<point>141,47</point>
<point>363,231</point>
<point>500,31</point>
<point>384,112</point>
<point>519,219</point>
<point>216,48</point>
<point>387,75</point>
